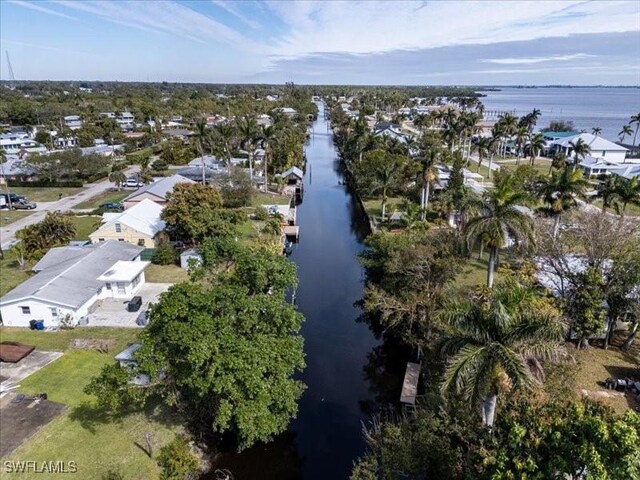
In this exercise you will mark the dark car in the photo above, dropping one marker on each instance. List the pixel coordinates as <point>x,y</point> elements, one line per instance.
<point>134,304</point>
<point>112,206</point>
<point>24,205</point>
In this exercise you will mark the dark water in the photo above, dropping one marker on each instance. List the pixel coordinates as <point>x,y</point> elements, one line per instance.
<point>343,356</point>
<point>607,108</point>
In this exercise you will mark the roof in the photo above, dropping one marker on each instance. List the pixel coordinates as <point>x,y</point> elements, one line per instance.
<point>595,142</point>
<point>69,275</point>
<point>127,354</point>
<point>13,352</point>
<point>161,187</point>
<point>293,171</point>
<point>123,271</point>
<point>627,171</point>
<point>143,217</point>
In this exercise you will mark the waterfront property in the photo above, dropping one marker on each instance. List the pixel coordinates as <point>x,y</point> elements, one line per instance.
<point>70,281</point>
<point>140,225</point>
<point>600,147</point>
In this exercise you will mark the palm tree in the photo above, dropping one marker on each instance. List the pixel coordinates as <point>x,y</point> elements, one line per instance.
<point>224,135</point>
<point>561,192</point>
<point>628,192</point>
<point>635,119</point>
<point>608,192</point>
<point>248,130</point>
<point>596,131</point>
<point>500,218</point>
<point>119,178</point>
<point>483,147</point>
<point>536,144</point>
<point>522,133</point>
<point>495,349</point>
<point>201,138</point>
<point>268,137</point>
<point>429,174</point>
<point>626,130</point>
<point>580,149</point>
<point>559,161</point>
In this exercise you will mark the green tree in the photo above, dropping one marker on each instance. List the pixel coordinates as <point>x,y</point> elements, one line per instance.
<point>580,149</point>
<point>500,218</point>
<point>628,192</point>
<point>536,144</point>
<point>496,345</point>
<point>177,461</point>
<point>635,119</point>
<point>236,189</point>
<point>192,211</point>
<point>52,231</point>
<point>118,178</point>
<point>586,305</point>
<point>561,192</point>
<point>626,130</point>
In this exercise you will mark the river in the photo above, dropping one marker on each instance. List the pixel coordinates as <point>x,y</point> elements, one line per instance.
<point>326,437</point>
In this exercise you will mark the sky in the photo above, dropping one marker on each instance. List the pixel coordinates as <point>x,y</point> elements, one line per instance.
<point>332,42</point>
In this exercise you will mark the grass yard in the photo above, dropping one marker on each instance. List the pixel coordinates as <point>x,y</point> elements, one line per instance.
<point>104,197</point>
<point>373,206</point>
<point>165,274</point>
<point>10,273</point>
<point>85,225</point>
<point>632,210</point>
<point>261,198</point>
<point>473,274</point>
<point>541,166</point>
<point>95,441</point>
<point>44,194</point>
<point>10,216</point>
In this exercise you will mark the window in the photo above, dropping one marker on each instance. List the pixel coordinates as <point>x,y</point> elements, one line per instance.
<point>101,239</point>
<point>121,287</point>
<point>118,227</point>
<point>135,281</point>
<point>121,239</point>
<point>54,312</point>
<point>141,242</point>
<point>26,310</point>
<point>108,285</point>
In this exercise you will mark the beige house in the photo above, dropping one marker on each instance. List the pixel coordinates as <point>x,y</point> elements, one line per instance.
<point>140,225</point>
<point>156,191</point>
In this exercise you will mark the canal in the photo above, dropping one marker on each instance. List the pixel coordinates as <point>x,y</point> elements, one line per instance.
<point>342,354</point>
<point>328,429</point>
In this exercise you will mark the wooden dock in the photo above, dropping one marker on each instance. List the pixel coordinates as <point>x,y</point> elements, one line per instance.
<point>410,383</point>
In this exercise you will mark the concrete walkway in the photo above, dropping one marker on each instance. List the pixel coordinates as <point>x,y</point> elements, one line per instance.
<point>8,233</point>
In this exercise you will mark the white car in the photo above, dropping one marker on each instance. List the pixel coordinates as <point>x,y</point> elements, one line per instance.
<point>133,182</point>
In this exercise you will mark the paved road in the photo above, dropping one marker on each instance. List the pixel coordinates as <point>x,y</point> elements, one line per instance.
<point>8,233</point>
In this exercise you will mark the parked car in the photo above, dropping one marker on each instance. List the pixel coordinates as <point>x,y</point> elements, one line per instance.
<point>133,182</point>
<point>13,197</point>
<point>112,206</point>
<point>24,205</point>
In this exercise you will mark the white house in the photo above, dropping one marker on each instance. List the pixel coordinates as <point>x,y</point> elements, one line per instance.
<point>387,130</point>
<point>65,142</point>
<point>124,119</point>
<point>70,281</point>
<point>73,122</point>
<point>17,142</point>
<point>600,147</point>
<point>288,111</point>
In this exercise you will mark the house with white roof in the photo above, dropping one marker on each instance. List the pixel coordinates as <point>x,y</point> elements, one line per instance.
<point>388,130</point>
<point>73,122</point>
<point>600,147</point>
<point>69,283</point>
<point>156,191</point>
<point>140,225</point>
<point>20,142</point>
<point>288,111</point>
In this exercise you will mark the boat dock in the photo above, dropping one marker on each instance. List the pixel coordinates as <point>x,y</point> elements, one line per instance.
<point>410,384</point>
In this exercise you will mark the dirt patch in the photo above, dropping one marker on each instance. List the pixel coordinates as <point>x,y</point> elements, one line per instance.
<point>101,345</point>
<point>21,417</point>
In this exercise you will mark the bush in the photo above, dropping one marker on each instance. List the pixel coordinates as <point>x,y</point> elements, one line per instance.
<point>113,475</point>
<point>97,176</point>
<point>45,184</point>
<point>159,165</point>
<point>261,214</point>
<point>165,254</point>
<point>177,461</point>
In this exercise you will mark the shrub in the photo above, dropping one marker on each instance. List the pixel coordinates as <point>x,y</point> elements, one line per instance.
<point>177,461</point>
<point>44,183</point>
<point>159,165</point>
<point>261,214</point>
<point>165,254</point>
<point>113,475</point>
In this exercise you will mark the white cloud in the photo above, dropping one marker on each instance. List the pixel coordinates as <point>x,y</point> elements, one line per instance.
<point>40,8</point>
<point>367,26</point>
<point>531,60</point>
<point>167,17</point>
<point>229,7</point>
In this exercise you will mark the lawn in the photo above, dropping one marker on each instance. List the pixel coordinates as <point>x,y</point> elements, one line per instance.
<point>373,206</point>
<point>43,194</point>
<point>104,197</point>
<point>95,441</point>
<point>9,216</point>
<point>261,198</point>
<point>85,225</point>
<point>165,274</point>
<point>10,273</point>
<point>474,273</point>
<point>632,210</point>
<point>541,166</point>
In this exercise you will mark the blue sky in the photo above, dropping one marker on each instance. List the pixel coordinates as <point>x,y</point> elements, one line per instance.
<point>392,42</point>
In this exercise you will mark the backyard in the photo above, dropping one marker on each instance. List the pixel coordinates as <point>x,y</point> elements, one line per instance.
<point>85,225</point>
<point>10,216</point>
<point>97,442</point>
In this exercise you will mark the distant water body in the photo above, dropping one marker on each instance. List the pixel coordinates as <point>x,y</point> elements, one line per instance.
<point>607,108</point>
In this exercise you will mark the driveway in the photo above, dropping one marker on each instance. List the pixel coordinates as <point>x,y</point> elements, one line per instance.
<point>8,233</point>
<point>12,373</point>
<point>112,312</point>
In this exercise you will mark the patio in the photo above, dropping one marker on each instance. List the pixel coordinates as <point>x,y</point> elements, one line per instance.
<point>112,312</point>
